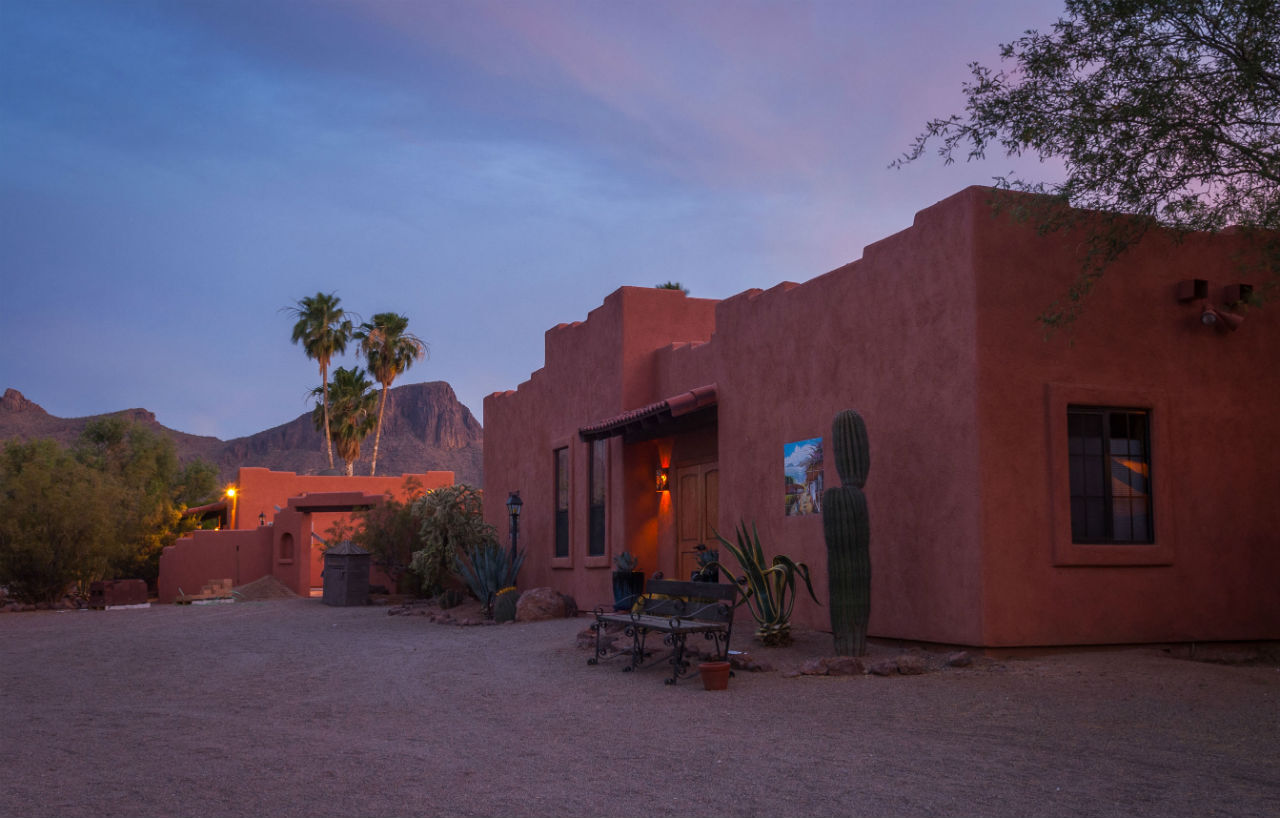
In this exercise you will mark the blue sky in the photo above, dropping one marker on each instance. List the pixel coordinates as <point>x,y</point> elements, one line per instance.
<point>173,173</point>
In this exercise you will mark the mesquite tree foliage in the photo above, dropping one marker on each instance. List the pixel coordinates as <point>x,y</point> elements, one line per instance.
<point>1163,110</point>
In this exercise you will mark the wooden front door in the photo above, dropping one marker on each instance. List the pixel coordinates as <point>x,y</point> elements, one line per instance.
<point>697,514</point>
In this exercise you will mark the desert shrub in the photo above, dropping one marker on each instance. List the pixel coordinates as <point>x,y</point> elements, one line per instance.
<point>154,489</point>
<point>768,586</point>
<point>104,509</point>
<point>452,520</point>
<point>56,521</point>
<point>391,533</point>
<point>487,568</point>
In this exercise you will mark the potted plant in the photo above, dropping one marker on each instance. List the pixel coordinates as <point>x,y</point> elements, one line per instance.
<point>708,565</point>
<point>628,583</point>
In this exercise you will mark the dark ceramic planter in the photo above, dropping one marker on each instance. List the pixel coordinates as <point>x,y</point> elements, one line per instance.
<point>627,587</point>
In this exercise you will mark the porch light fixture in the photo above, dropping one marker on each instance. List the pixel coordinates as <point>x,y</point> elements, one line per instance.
<point>233,518</point>
<point>662,479</point>
<point>262,519</point>
<point>1221,319</point>
<point>514,505</point>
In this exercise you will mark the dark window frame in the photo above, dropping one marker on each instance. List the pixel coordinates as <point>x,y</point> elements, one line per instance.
<point>1110,483</point>
<point>561,467</point>
<point>597,494</point>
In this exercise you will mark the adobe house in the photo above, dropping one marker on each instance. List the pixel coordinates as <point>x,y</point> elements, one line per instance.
<point>1114,485</point>
<point>273,519</point>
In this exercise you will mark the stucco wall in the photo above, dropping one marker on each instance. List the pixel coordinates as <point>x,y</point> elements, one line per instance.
<point>202,556</point>
<point>249,551</point>
<point>583,381</point>
<point>932,336</point>
<point>1214,398</point>
<point>892,337</point>
<point>262,490</point>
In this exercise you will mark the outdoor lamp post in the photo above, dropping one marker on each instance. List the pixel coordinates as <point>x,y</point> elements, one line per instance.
<point>514,504</point>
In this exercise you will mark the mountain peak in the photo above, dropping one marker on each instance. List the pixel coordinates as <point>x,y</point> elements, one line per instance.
<point>15,401</point>
<point>425,429</point>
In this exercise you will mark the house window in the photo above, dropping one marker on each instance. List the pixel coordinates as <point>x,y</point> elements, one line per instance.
<point>1110,455</point>
<point>562,502</point>
<point>596,473</point>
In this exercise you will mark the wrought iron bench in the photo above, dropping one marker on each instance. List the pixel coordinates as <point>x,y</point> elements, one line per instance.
<point>676,610</point>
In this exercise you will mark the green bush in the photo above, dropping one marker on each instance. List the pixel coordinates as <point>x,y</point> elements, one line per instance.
<point>102,510</point>
<point>391,533</point>
<point>56,521</point>
<point>452,521</point>
<point>154,490</point>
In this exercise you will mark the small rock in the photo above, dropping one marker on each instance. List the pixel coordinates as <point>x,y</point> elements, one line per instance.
<point>960,658</point>
<point>790,674</point>
<point>814,667</point>
<point>884,667</point>
<point>911,665</point>
<point>745,661</point>
<point>844,666</point>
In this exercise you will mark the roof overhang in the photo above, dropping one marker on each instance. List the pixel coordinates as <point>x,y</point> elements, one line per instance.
<point>219,507</point>
<point>684,412</point>
<point>335,501</point>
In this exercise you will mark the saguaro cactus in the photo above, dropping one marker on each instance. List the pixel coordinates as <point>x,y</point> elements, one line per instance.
<point>847,530</point>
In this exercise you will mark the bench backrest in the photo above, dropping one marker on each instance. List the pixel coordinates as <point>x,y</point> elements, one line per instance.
<point>705,601</point>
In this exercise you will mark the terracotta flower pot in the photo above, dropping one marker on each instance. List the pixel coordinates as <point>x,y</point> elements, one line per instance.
<point>715,675</point>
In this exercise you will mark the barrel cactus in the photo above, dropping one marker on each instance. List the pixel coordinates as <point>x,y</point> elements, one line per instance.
<point>846,527</point>
<point>504,604</point>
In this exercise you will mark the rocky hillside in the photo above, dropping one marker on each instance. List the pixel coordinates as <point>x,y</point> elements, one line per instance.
<point>426,428</point>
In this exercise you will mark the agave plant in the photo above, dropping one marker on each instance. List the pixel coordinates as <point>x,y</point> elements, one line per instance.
<point>487,568</point>
<point>768,588</point>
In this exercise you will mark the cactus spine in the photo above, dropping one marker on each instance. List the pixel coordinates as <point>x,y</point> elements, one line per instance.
<point>847,530</point>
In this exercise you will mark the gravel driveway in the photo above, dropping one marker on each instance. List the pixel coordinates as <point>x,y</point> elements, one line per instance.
<point>294,708</point>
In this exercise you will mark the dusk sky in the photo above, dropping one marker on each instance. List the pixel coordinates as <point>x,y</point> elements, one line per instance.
<point>173,173</point>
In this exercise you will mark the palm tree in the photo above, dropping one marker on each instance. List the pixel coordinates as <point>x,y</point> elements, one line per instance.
<point>323,329</point>
<point>350,416</point>
<point>389,349</point>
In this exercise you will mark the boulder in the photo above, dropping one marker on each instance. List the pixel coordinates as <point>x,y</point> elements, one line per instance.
<point>538,604</point>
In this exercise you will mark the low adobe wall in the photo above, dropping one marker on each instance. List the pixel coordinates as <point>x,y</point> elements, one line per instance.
<point>260,491</point>
<point>249,551</point>
<point>241,556</point>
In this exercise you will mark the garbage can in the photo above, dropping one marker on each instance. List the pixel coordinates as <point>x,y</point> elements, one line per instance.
<point>346,575</point>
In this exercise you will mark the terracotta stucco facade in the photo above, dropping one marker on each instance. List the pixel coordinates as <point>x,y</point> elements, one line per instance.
<point>292,507</point>
<point>932,336</point>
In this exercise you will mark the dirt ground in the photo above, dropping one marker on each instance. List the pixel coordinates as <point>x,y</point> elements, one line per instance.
<point>293,708</point>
